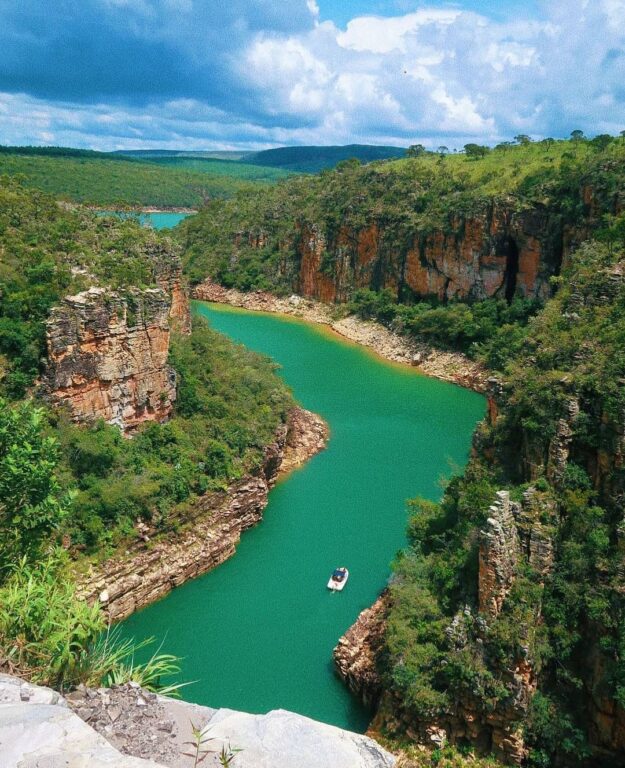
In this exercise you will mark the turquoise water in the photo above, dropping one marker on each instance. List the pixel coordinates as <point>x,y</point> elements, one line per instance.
<point>159,220</point>
<point>257,633</point>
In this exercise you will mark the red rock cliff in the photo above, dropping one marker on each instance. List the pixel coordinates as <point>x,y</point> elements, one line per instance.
<point>107,357</point>
<point>498,253</point>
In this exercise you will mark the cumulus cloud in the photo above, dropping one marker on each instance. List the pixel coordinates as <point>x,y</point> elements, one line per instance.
<point>190,73</point>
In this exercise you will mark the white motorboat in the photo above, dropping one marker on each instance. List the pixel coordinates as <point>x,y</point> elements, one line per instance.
<point>338,580</point>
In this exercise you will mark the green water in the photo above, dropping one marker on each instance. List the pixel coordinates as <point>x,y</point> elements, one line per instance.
<point>158,220</point>
<point>258,632</point>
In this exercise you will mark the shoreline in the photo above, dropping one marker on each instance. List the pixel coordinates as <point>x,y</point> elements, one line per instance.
<point>141,209</point>
<point>453,367</point>
<point>150,568</point>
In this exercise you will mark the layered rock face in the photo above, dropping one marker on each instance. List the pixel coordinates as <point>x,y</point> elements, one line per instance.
<point>212,532</point>
<point>357,654</point>
<point>168,276</point>
<point>107,357</point>
<point>127,727</point>
<point>514,532</point>
<point>499,253</point>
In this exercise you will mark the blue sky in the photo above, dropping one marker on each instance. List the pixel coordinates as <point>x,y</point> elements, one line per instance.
<point>198,74</point>
<point>342,11</point>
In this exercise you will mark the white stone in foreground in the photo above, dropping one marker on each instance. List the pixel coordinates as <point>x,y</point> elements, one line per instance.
<point>37,730</point>
<point>283,739</point>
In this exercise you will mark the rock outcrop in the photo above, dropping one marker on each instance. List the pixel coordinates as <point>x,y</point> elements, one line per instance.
<point>498,556</point>
<point>358,653</point>
<point>168,277</point>
<point>38,730</point>
<point>107,356</point>
<point>127,727</point>
<point>211,533</point>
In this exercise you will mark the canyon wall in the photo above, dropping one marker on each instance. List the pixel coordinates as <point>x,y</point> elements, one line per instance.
<point>108,350</point>
<point>107,356</point>
<point>211,533</point>
<point>499,253</point>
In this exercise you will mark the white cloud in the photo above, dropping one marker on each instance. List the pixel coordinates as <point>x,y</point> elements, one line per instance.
<point>433,76</point>
<point>380,35</point>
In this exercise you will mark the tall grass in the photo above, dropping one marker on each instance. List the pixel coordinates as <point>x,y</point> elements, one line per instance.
<point>52,637</point>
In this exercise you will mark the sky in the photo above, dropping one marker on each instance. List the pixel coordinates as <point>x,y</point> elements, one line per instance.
<point>252,74</point>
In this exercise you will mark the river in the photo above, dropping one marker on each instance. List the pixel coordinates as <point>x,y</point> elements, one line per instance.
<point>257,633</point>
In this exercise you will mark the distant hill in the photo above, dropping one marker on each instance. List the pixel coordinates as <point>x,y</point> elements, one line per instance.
<point>315,159</point>
<point>153,154</point>
<point>62,152</point>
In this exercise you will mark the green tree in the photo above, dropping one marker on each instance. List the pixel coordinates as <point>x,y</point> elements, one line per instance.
<point>416,150</point>
<point>31,502</point>
<point>475,151</point>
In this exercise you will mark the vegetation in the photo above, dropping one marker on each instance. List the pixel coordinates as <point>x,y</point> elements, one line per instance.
<point>483,329</point>
<point>32,506</point>
<point>117,181</point>
<point>571,351</point>
<point>228,169</point>
<point>52,637</point>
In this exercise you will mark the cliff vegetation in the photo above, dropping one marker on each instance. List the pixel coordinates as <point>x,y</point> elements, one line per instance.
<point>201,411</point>
<point>509,619</point>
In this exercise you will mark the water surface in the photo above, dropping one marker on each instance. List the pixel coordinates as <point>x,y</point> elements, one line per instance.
<point>258,632</point>
<point>156,220</point>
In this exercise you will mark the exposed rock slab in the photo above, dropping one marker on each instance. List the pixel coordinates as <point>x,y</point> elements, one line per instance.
<point>120,727</point>
<point>38,730</point>
<point>283,739</point>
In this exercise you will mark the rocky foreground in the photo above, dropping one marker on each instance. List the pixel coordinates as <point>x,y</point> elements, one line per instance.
<point>127,727</point>
<point>448,366</point>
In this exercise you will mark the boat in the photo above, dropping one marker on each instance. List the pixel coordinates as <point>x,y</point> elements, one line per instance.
<point>338,580</point>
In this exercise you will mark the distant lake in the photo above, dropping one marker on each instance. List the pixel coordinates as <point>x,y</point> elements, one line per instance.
<point>158,220</point>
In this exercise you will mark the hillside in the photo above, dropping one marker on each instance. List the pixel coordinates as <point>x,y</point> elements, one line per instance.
<point>111,181</point>
<point>438,228</point>
<point>314,159</point>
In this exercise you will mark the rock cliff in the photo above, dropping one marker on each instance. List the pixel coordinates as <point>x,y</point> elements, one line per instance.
<point>127,727</point>
<point>107,356</point>
<point>108,350</point>
<point>499,253</point>
<point>514,533</point>
<point>211,533</point>
<point>357,654</point>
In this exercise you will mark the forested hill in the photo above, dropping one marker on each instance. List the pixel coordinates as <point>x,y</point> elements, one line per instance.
<point>314,159</point>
